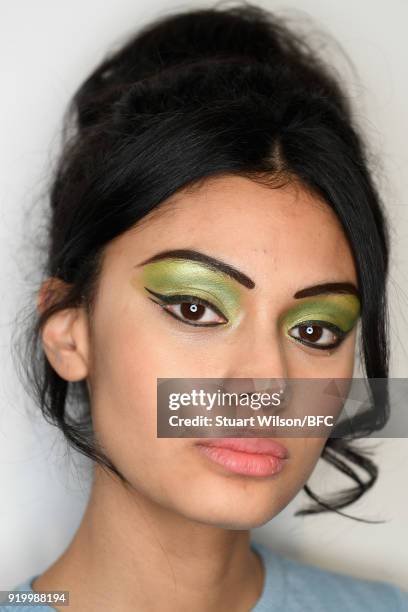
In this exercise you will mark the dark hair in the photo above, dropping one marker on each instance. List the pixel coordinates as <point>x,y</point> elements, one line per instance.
<point>192,95</point>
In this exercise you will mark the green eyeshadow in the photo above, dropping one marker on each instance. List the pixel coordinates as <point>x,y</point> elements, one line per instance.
<point>341,310</point>
<point>186,277</point>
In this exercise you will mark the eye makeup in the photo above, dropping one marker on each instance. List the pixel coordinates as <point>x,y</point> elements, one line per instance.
<point>182,279</point>
<point>337,312</point>
<point>197,288</point>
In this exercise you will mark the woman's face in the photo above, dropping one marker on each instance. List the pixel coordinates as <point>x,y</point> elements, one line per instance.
<point>285,240</point>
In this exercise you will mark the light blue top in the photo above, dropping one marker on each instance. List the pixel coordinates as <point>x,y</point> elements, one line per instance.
<point>292,586</point>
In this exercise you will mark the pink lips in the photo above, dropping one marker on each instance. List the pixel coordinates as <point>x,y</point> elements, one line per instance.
<point>248,456</point>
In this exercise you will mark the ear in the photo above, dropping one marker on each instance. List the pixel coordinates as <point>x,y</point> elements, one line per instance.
<point>65,335</point>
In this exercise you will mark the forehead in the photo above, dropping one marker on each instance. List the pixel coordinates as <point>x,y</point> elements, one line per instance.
<point>253,226</point>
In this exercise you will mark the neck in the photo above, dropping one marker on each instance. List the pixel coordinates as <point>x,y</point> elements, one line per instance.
<point>137,554</point>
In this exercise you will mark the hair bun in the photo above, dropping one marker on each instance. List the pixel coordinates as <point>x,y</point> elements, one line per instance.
<point>239,35</point>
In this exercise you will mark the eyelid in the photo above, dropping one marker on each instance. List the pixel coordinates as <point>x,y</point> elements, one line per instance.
<point>331,309</point>
<point>186,275</point>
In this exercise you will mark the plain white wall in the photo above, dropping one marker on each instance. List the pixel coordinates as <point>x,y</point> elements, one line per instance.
<point>46,49</point>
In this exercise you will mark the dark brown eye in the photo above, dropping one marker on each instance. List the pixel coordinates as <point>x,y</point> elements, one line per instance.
<point>195,313</point>
<point>317,334</point>
<point>312,333</point>
<point>191,311</point>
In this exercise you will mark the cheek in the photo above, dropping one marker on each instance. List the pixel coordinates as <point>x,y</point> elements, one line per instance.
<point>343,359</point>
<point>305,453</point>
<point>123,386</point>
<point>130,353</point>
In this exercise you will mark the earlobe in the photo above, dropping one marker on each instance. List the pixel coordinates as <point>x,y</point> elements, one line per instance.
<point>65,338</point>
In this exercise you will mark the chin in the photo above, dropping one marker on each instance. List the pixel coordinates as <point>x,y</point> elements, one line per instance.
<point>221,510</point>
<point>237,522</point>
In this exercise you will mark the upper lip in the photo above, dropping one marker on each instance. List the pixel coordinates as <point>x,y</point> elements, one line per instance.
<point>263,446</point>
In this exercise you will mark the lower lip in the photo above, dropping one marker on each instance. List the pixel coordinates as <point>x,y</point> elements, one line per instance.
<point>249,464</point>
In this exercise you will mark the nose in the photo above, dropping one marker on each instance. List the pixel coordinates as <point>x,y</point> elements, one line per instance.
<point>257,355</point>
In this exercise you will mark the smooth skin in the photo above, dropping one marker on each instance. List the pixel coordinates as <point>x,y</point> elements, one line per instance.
<point>178,539</point>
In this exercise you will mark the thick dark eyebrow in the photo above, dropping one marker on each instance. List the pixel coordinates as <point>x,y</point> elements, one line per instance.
<point>325,288</point>
<point>210,262</point>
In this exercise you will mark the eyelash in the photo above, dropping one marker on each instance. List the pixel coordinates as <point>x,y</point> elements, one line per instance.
<point>165,300</point>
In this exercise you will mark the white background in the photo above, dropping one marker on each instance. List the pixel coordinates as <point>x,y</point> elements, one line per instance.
<point>46,49</point>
